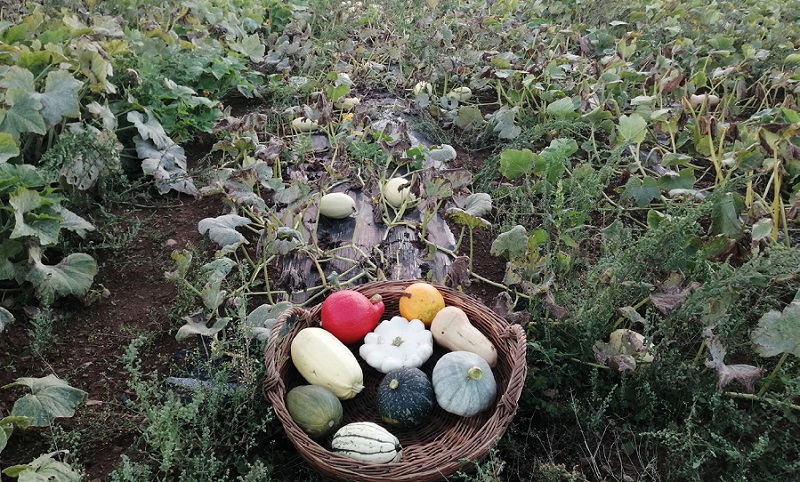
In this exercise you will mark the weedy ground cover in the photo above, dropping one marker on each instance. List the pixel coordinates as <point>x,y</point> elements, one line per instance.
<point>619,165</point>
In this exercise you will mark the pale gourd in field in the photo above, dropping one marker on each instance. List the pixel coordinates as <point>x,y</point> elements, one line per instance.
<point>336,205</point>
<point>397,191</point>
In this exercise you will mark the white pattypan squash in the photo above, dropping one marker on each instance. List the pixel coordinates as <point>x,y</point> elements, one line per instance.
<point>397,343</point>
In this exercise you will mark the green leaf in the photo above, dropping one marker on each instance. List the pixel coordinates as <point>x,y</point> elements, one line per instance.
<point>513,242</point>
<point>337,92</point>
<point>43,469</point>
<point>18,78</point>
<point>563,109</point>
<point>60,97</point>
<point>725,216</point>
<point>73,275</point>
<point>212,293</point>
<point>515,163</point>
<point>50,398</point>
<point>43,225</point>
<point>9,249</point>
<point>13,176</point>
<point>259,322</point>
<point>762,229</point>
<point>286,240</point>
<point>778,332</point>
<point>683,180</point>
<point>222,229</point>
<point>183,259</point>
<point>72,222</point>
<point>23,114</point>
<point>9,148</point>
<point>632,129</point>
<point>469,118</point>
<point>642,191</point>
<point>551,162</point>
<point>477,204</point>
<point>251,46</point>
<point>167,166</point>
<point>150,128</point>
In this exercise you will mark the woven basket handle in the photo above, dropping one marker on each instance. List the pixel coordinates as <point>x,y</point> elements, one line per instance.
<point>273,380</point>
<point>519,344</point>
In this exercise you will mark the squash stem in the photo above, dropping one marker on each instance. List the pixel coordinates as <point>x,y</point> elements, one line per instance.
<point>475,373</point>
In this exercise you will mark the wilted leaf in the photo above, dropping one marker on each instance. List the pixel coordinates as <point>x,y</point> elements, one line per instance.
<point>556,311</point>
<point>49,399</point>
<point>73,275</point>
<point>167,166</point>
<point>196,325</point>
<point>513,242</point>
<point>746,375</point>
<point>183,259</point>
<point>477,204</point>
<point>672,293</point>
<point>458,273</point>
<point>607,355</point>
<point>72,222</point>
<point>222,229</point>
<point>504,306</point>
<point>259,322</point>
<point>286,240</point>
<point>212,294</point>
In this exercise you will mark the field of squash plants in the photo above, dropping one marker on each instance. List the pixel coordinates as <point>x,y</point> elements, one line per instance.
<point>620,179</point>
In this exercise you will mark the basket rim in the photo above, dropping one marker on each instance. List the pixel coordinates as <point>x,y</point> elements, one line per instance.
<point>443,460</point>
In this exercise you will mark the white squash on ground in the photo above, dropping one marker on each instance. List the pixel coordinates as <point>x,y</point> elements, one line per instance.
<point>336,205</point>
<point>397,191</point>
<point>304,124</point>
<point>460,94</point>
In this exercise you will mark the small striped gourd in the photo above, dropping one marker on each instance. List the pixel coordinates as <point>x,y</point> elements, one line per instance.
<point>368,442</point>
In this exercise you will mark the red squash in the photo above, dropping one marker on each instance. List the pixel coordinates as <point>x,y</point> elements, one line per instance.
<point>349,315</point>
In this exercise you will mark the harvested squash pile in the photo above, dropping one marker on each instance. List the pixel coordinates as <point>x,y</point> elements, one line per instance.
<point>461,381</point>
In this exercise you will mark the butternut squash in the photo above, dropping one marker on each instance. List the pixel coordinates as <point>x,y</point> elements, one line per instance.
<point>452,329</point>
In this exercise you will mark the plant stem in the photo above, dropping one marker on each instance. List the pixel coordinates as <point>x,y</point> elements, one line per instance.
<point>772,374</point>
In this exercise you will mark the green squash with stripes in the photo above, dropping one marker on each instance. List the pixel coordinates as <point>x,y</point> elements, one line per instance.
<point>314,409</point>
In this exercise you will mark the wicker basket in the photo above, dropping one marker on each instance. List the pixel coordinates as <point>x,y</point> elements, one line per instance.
<point>442,445</point>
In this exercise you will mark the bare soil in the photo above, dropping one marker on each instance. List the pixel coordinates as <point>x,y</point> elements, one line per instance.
<point>88,341</point>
